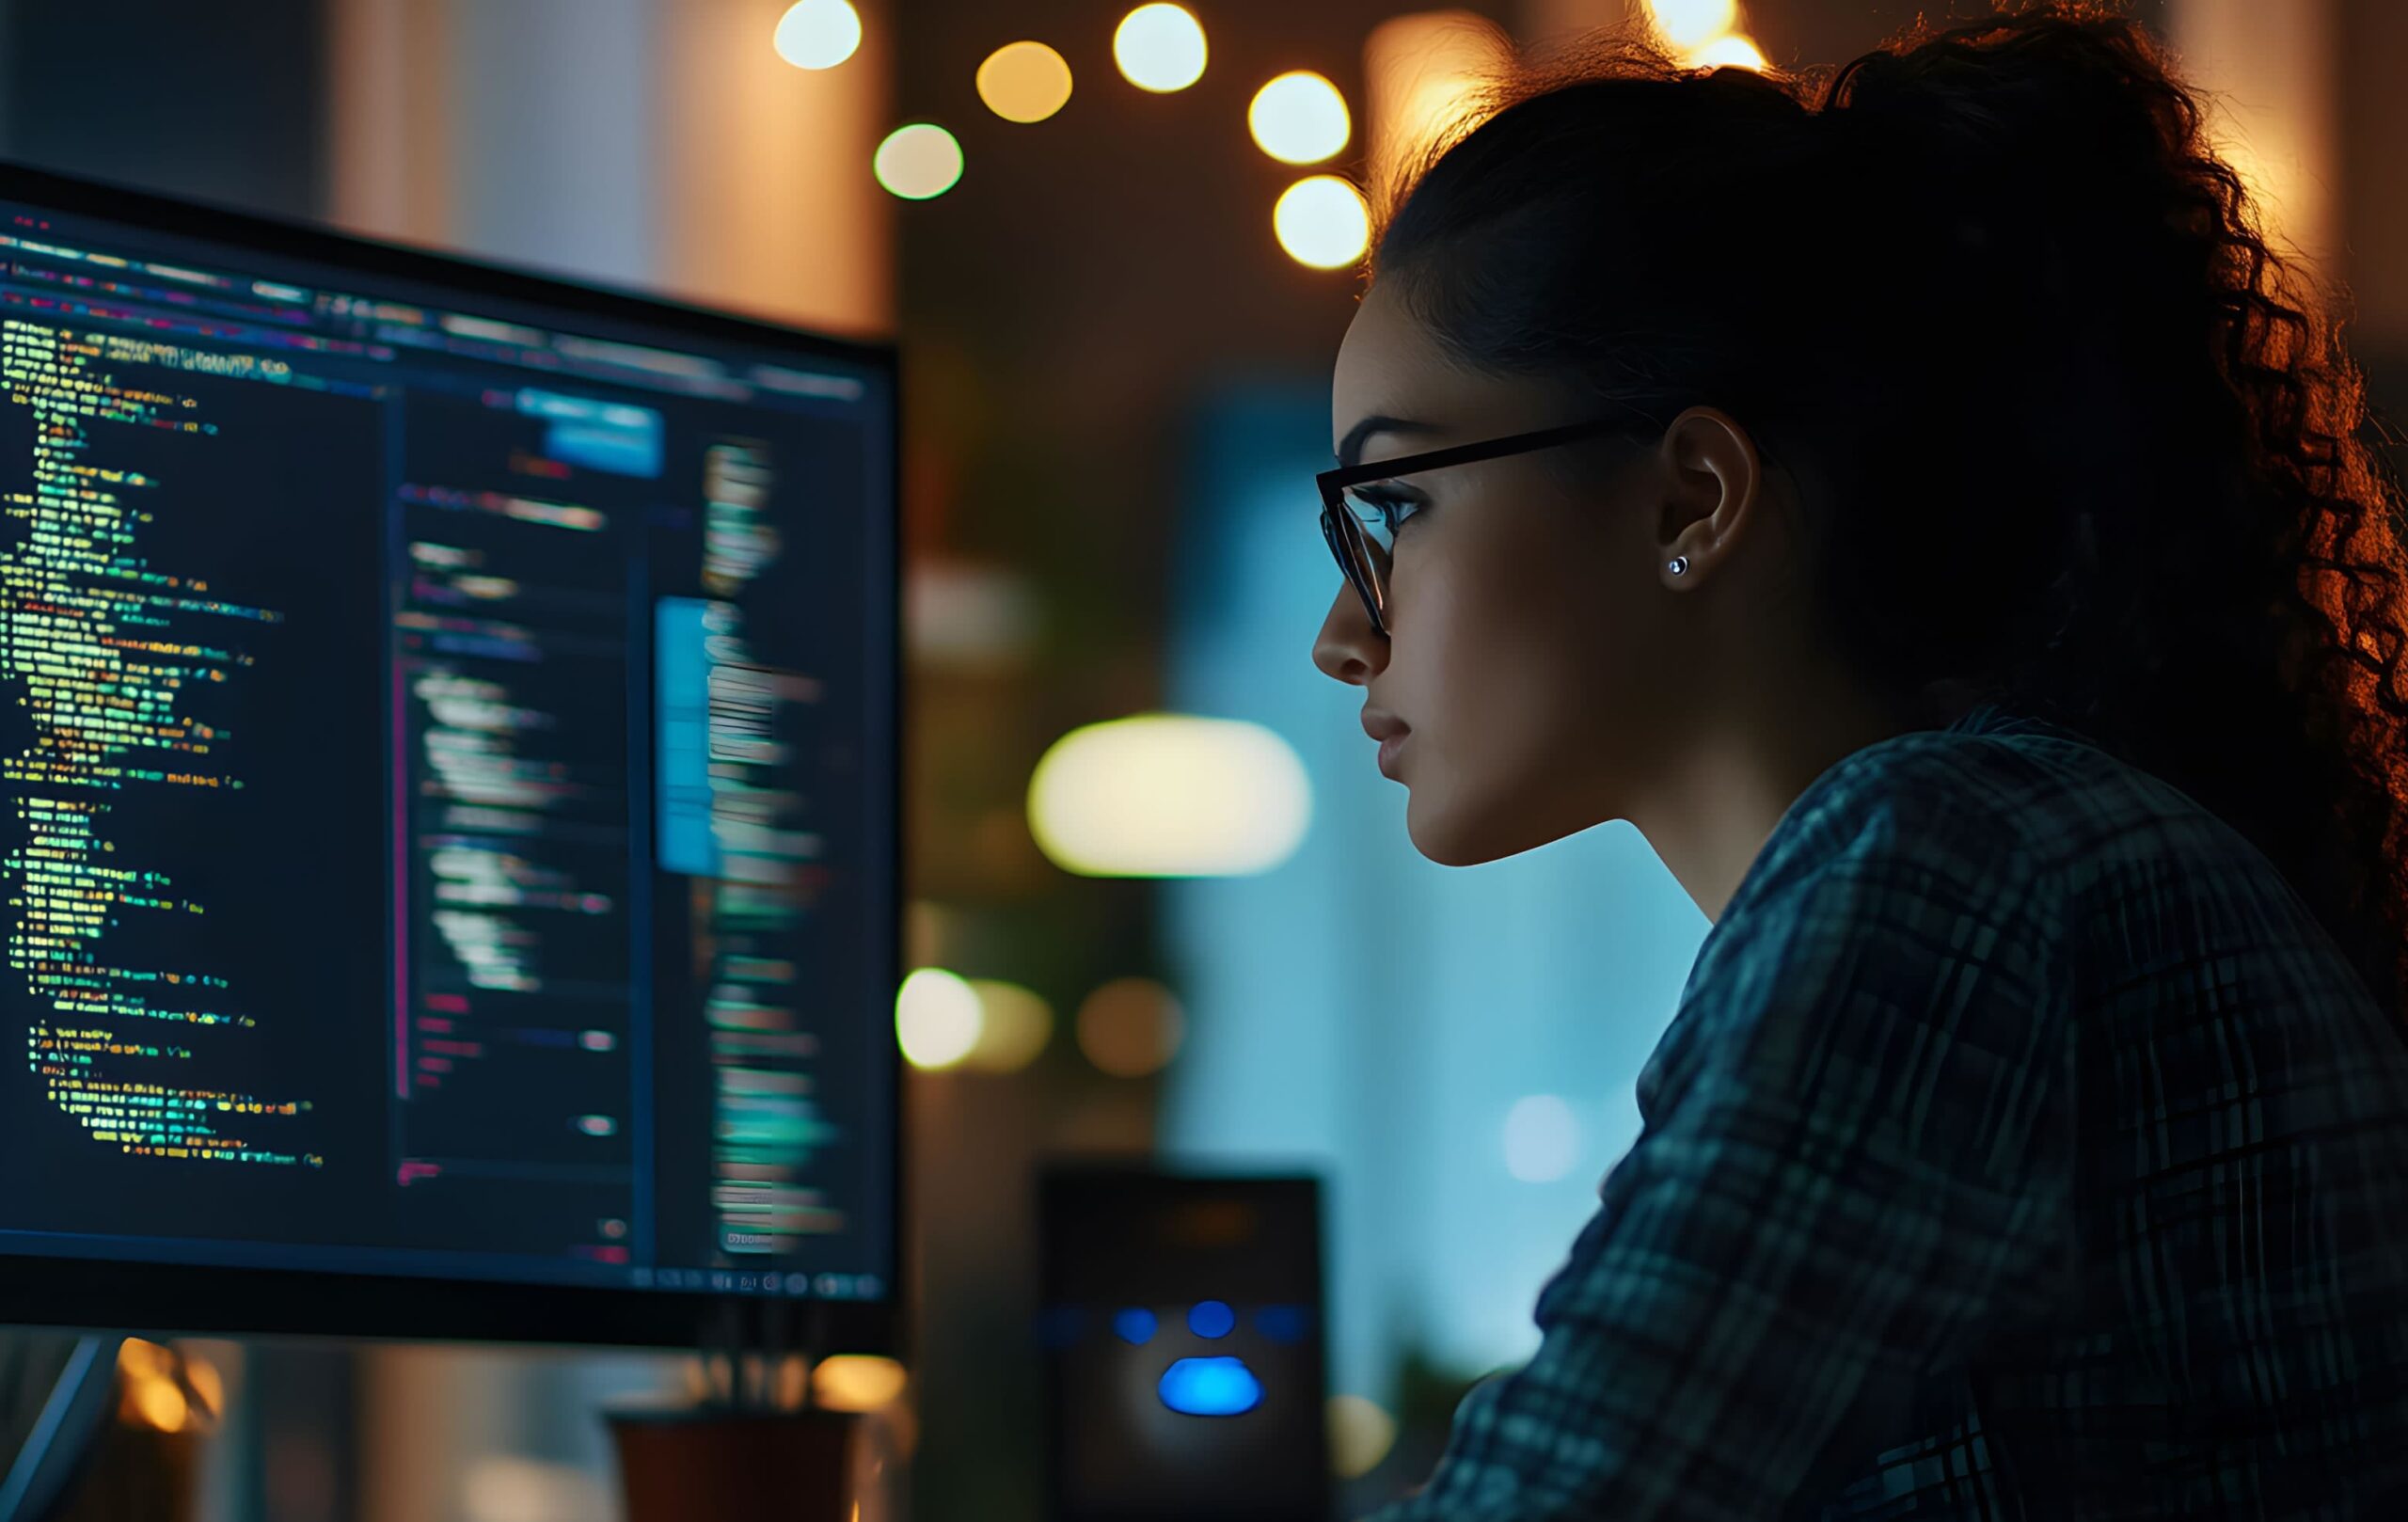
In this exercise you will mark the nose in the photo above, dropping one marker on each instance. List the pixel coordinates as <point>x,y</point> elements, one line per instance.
<point>1348,649</point>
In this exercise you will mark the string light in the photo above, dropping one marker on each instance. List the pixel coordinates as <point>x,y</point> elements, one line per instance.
<point>1323,222</point>
<point>818,34</point>
<point>1160,48</point>
<point>918,161</point>
<point>1024,82</point>
<point>1299,117</point>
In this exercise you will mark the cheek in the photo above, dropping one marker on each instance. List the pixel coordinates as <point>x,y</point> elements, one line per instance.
<point>1496,635</point>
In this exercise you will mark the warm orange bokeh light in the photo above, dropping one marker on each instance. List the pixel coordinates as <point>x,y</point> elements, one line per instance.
<point>1731,52</point>
<point>1130,1027</point>
<point>1024,82</point>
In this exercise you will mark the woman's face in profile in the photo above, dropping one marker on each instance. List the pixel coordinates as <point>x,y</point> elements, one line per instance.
<point>1531,631</point>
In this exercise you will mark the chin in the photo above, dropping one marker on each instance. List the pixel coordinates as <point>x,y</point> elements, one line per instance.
<point>1455,834</point>
<point>1452,835</point>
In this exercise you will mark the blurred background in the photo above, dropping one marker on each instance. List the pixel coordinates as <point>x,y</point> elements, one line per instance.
<point>1118,252</point>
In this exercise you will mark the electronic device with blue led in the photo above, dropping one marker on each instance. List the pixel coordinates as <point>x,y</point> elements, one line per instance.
<point>1182,1330</point>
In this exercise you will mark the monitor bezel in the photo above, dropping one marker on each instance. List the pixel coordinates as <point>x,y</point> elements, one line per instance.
<point>164,1298</point>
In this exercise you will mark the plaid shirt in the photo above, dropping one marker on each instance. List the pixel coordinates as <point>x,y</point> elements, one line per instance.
<point>2020,1148</point>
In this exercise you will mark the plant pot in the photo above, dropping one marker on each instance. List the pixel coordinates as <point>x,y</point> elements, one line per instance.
<point>750,1466</point>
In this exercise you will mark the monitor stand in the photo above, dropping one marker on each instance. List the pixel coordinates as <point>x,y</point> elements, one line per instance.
<point>61,1435</point>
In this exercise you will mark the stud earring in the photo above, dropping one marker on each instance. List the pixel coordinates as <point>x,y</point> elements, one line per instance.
<point>1679,564</point>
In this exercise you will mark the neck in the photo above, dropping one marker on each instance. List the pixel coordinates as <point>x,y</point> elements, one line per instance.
<point>1716,799</point>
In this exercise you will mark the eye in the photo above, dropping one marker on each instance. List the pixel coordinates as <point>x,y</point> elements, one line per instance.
<point>1382,507</point>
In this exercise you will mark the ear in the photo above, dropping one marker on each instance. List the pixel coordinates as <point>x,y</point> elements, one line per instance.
<point>1714,483</point>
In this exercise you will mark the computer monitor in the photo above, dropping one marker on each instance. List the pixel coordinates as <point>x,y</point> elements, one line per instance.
<point>447,793</point>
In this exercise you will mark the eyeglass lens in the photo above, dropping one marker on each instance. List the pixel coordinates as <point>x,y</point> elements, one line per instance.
<point>1365,566</point>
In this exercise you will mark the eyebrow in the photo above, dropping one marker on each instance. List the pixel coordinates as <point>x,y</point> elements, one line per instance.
<point>1349,449</point>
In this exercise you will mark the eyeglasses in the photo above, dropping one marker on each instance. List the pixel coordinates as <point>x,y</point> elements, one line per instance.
<point>1359,521</point>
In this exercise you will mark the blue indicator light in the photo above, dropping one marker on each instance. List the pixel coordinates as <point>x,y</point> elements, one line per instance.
<point>1210,1387</point>
<point>1211,1319</point>
<point>1137,1327</point>
<point>1284,1325</point>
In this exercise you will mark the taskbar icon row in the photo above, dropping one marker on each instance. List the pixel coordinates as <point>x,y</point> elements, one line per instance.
<point>733,1281</point>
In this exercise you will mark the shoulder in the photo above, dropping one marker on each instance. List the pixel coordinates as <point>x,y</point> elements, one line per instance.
<point>1908,889</point>
<point>1930,806</point>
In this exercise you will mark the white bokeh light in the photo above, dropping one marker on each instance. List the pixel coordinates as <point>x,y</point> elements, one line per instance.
<point>1160,48</point>
<point>938,1019</point>
<point>1169,796</point>
<point>818,34</point>
<point>1321,221</point>
<point>1299,117</point>
<point>918,161</point>
<point>1542,1139</point>
<point>1014,1026</point>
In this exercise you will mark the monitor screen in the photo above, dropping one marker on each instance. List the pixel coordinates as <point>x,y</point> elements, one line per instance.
<point>446,791</point>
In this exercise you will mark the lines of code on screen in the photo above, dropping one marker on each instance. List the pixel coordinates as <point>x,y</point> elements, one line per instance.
<point>439,826</point>
<point>105,650</point>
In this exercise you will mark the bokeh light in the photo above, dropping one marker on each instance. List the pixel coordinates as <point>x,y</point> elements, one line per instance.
<point>148,1395</point>
<point>937,1019</point>
<point>1542,1139</point>
<point>1687,24</point>
<point>1426,78</point>
<point>1299,117</point>
<point>857,1381</point>
<point>206,1385</point>
<point>1014,1024</point>
<point>165,1389</point>
<point>1210,1387</point>
<point>1160,48</point>
<point>918,161</point>
<point>1169,796</point>
<point>1731,52</point>
<point>137,1356</point>
<point>1024,82</point>
<point>1130,1027</point>
<point>162,1405</point>
<point>1323,222</point>
<point>818,34</point>
<point>1360,1434</point>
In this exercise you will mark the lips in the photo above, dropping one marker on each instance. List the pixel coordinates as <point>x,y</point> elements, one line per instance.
<point>1390,732</point>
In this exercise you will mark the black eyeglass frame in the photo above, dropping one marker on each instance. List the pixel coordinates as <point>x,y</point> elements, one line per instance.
<point>1345,535</point>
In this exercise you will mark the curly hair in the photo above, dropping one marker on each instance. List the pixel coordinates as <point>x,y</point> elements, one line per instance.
<point>2067,432</point>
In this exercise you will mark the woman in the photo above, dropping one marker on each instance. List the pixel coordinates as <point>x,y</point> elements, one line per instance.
<point>1920,504</point>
